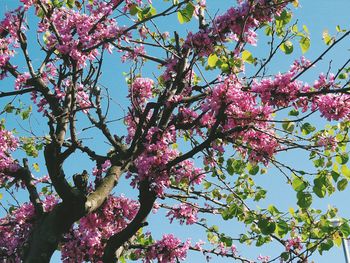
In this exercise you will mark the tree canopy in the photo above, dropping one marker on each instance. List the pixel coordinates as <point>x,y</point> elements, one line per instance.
<point>191,120</point>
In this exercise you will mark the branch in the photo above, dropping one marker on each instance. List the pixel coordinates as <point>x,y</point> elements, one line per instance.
<point>17,92</point>
<point>33,193</point>
<point>321,56</point>
<point>54,167</point>
<point>146,198</point>
<point>96,198</point>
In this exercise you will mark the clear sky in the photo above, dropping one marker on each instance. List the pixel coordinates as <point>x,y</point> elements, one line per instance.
<point>317,15</point>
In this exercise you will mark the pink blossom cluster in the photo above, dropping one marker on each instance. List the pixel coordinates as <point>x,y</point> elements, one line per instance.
<point>241,109</point>
<point>282,89</point>
<point>130,3</point>
<point>21,80</point>
<point>186,213</point>
<point>264,259</point>
<point>42,103</point>
<point>333,106</point>
<point>294,243</point>
<point>9,38</point>
<point>50,72</point>
<point>223,250</point>
<point>236,22</point>
<point>170,70</point>
<point>279,91</point>
<point>152,163</point>
<point>328,142</point>
<point>97,171</point>
<point>141,90</point>
<point>16,227</point>
<point>135,53</point>
<point>80,34</point>
<point>86,241</point>
<point>82,98</point>
<point>8,144</point>
<point>240,106</point>
<point>260,146</point>
<point>167,250</point>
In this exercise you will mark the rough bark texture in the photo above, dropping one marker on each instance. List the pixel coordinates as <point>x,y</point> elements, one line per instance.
<point>51,226</point>
<point>48,232</point>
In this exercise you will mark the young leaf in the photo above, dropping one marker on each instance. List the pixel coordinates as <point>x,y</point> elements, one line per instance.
<point>247,57</point>
<point>287,47</point>
<point>212,60</point>
<point>304,44</point>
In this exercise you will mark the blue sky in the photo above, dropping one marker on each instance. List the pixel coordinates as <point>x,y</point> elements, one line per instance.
<point>317,15</point>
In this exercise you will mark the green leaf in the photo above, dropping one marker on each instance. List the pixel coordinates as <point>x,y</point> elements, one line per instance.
<point>325,246</point>
<point>341,185</point>
<point>343,75</point>
<point>267,226</point>
<point>252,169</point>
<point>70,3</point>
<point>134,9</point>
<point>345,229</point>
<point>273,210</point>
<point>268,31</point>
<point>307,128</point>
<point>247,57</point>
<point>339,29</point>
<point>146,12</point>
<point>285,256</point>
<point>293,113</point>
<point>327,39</point>
<point>306,29</point>
<point>288,126</point>
<point>304,44</point>
<point>36,167</point>
<point>25,114</point>
<point>9,108</point>
<point>283,19</point>
<point>212,60</point>
<point>320,190</point>
<point>57,3</point>
<point>342,158</point>
<point>206,185</point>
<point>345,171</point>
<point>304,199</point>
<point>298,184</point>
<point>282,228</point>
<point>287,47</point>
<point>185,15</point>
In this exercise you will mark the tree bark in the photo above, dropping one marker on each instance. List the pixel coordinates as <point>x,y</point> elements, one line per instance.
<point>48,232</point>
<point>50,227</point>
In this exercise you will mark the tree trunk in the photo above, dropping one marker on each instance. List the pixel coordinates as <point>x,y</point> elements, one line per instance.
<point>50,227</point>
<point>49,230</point>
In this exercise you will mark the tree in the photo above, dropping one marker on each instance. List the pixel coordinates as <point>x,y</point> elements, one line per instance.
<point>192,138</point>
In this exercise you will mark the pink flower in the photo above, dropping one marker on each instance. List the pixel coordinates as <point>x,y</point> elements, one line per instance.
<point>141,90</point>
<point>333,106</point>
<point>184,212</point>
<point>86,241</point>
<point>263,259</point>
<point>21,80</point>
<point>167,250</point>
<point>294,243</point>
<point>8,144</point>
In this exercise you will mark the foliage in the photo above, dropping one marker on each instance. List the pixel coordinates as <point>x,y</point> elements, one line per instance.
<point>194,138</point>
